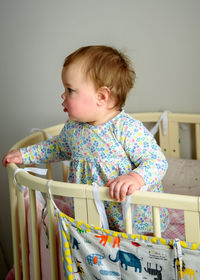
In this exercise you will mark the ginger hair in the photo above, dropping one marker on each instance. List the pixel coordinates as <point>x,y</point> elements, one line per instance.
<point>106,67</point>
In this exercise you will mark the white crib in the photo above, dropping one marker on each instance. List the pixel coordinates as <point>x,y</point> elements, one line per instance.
<point>85,209</point>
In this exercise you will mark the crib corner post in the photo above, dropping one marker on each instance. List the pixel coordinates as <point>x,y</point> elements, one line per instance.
<point>14,224</point>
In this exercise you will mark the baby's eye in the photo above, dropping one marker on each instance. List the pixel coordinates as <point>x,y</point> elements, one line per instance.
<point>70,90</point>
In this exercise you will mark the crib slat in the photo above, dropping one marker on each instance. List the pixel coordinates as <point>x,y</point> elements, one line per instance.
<point>156,221</point>
<point>49,173</point>
<point>92,212</point>
<point>65,169</point>
<point>174,139</point>
<point>192,226</point>
<point>34,230</point>
<point>48,164</point>
<point>128,221</point>
<point>80,209</point>
<point>15,227</point>
<point>197,142</point>
<point>23,234</point>
<point>93,215</point>
<point>164,141</point>
<point>52,241</point>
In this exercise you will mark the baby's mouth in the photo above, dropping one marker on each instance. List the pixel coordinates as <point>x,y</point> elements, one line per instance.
<point>65,110</point>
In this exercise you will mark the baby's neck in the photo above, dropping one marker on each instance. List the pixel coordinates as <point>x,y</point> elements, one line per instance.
<point>106,117</point>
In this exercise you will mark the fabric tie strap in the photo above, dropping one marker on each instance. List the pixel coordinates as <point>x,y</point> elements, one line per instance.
<point>100,206</point>
<point>178,258</point>
<point>127,203</point>
<point>164,119</point>
<point>50,196</point>
<point>38,171</point>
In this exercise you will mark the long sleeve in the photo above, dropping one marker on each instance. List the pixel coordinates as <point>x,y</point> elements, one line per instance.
<point>145,154</point>
<point>55,149</point>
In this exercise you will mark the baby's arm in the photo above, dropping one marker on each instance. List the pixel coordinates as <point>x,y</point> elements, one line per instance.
<point>13,156</point>
<point>147,158</point>
<point>125,185</point>
<point>55,149</point>
<point>48,151</point>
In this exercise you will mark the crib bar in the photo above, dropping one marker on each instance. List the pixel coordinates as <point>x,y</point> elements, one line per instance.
<point>174,201</point>
<point>15,225</point>
<point>156,221</point>
<point>35,241</point>
<point>52,241</point>
<point>192,226</point>
<point>23,234</point>
<point>146,117</point>
<point>49,173</point>
<point>197,142</point>
<point>184,118</point>
<point>80,209</point>
<point>64,171</point>
<point>173,128</point>
<point>164,141</point>
<point>128,221</point>
<point>93,215</point>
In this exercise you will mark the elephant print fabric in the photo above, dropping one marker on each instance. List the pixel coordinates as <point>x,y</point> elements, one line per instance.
<point>92,253</point>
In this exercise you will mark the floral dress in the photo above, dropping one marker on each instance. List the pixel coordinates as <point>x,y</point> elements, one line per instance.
<point>103,152</point>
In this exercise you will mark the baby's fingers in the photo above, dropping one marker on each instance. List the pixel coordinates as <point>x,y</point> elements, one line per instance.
<point>117,190</point>
<point>12,157</point>
<point>131,190</point>
<point>110,184</point>
<point>124,191</point>
<point>7,160</point>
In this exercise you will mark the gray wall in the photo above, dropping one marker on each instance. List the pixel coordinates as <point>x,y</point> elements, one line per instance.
<point>161,37</point>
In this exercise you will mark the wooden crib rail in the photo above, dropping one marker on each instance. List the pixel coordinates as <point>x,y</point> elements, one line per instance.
<point>170,143</point>
<point>84,192</point>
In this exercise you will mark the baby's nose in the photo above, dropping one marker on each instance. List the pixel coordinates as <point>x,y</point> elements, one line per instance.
<point>63,95</point>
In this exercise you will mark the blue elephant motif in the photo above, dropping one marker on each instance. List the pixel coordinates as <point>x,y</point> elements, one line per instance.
<point>127,259</point>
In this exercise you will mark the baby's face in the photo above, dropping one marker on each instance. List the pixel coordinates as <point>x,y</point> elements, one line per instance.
<point>80,95</point>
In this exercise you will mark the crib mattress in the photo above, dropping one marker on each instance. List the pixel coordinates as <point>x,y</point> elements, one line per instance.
<point>182,177</point>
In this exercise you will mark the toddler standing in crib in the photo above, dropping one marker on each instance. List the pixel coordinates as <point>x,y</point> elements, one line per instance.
<point>103,143</point>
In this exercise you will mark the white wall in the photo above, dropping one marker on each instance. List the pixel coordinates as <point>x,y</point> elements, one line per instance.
<point>161,37</point>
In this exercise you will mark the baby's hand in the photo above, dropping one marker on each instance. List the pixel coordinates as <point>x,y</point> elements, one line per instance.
<point>125,185</point>
<point>14,156</point>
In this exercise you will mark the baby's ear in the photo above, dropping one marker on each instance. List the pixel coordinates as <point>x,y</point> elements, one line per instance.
<point>103,95</point>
